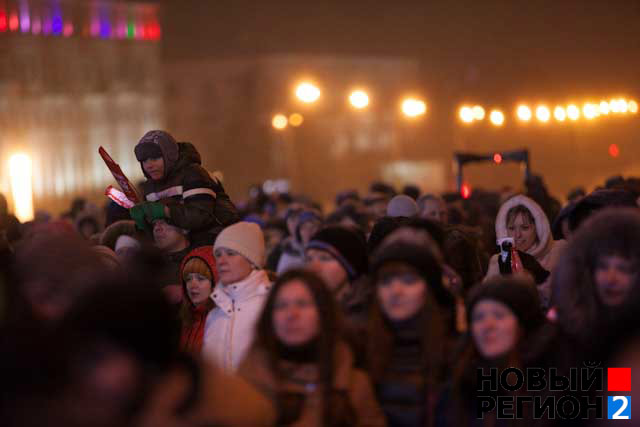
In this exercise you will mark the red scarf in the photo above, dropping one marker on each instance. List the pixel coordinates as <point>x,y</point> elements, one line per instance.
<point>192,335</point>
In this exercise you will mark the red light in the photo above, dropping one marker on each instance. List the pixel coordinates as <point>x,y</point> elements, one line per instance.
<point>3,21</point>
<point>465,191</point>
<point>14,22</point>
<point>614,151</point>
<point>497,158</point>
<point>154,32</point>
<point>68,29</point>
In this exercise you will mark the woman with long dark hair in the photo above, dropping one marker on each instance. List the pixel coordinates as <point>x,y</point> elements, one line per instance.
<point>407,332</point>
<point>299,360</point>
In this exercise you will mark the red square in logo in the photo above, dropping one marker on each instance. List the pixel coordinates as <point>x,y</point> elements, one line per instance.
<point>619,379</point>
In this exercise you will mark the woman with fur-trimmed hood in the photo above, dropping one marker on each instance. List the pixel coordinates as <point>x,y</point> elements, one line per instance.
<point>524,220</point>
<point>598,278</point>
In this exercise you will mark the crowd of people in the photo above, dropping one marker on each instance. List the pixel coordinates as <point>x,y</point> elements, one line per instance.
<point>190,310</point>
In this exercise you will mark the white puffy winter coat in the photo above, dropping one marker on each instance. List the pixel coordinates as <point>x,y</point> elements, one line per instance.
<point>229,329</point>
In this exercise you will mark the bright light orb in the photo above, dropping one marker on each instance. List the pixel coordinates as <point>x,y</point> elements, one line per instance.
<point>296,119</point>
<point>590,111</point>
<point>560,114</point>
<point>524,113</point>
<point>573,112</point>
<point>466,114</point>
<point>307,92</point>
<point>359,99</point>
<point>543,114</point>
<point>478,112</point>
<point>496,117</point>
<point>412,107</point>
<point>279,121</point>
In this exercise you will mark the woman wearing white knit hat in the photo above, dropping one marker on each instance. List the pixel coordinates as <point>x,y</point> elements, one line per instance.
<point>239,295</point>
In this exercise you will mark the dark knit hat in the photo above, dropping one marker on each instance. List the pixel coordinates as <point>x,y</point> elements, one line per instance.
<point>418,257</point>
<point>343,196</point>
<point>346,245</point>
<point>519,294</point>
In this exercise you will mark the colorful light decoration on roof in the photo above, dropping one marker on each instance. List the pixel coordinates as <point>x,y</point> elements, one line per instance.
<point>109,21</point>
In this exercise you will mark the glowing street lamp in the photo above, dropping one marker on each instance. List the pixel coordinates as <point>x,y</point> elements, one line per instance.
<point>359,99</point>
<point>560,114</point>
<point>622,104</point>
<point>466,114</point>
<point>279,121</point>
<point>413,107</point>
<point>496,117</point>
<point>543,114</point>
<point>633,107</point>
<point>524,113</point>
<point>604,107</point>
<point>478,112</point>
<point>590,111</point>
<point>20,173</point>
<point>307,92</point>
<point>296,119</point>
<point>615,106</point>
<point>573,112</point>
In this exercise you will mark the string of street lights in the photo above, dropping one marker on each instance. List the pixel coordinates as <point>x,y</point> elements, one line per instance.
<point>414,107</point>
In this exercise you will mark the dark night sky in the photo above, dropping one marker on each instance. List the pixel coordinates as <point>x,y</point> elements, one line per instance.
<point>488,48</point>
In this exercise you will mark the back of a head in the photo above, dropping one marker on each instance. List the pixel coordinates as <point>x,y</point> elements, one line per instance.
<point>599,199</point>
<point>382,228</point>
<point>52,271</point>
<point>128,313</point>
<point>402,205</point>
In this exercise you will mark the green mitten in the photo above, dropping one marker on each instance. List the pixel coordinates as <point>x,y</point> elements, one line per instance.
<point>137,214</point>
<point>153,211</point>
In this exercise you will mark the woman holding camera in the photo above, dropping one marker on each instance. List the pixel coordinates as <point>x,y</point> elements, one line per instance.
<point>523,220</point>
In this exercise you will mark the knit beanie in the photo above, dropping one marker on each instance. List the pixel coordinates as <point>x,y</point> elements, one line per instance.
<point>421,258</point>
<point>402,205</point>
<point>246,238</point>
<point>197,265</point>
<point>346,246</point>
<point>519,294</point>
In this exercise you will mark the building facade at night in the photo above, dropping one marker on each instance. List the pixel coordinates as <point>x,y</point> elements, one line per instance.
<point>226,108</point>
<point>76,75</point>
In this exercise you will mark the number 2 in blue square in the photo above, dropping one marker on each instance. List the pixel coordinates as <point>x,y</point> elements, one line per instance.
<point>619,407</point>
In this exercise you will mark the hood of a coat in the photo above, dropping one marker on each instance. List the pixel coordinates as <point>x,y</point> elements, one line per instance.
<point>176,155</point>
<point>543,229</point>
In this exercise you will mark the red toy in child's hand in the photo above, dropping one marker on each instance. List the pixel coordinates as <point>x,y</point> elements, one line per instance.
<point>129,189</point>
